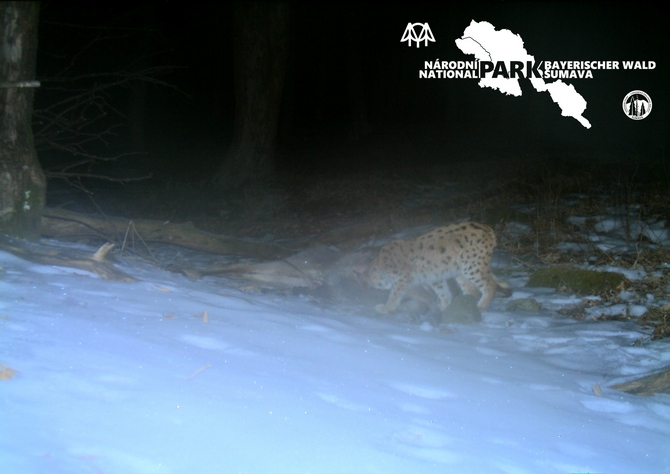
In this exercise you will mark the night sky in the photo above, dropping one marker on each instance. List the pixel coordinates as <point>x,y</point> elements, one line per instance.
<point>439,119</point>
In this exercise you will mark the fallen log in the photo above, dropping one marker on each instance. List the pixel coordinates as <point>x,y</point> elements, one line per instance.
<point>305,269</point>
<point>275,275</point>
<point>61,223</point>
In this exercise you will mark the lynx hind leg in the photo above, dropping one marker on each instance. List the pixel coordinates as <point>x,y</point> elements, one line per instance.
<point>485,286</point>
<point>488,289</point>
<point>397,292</point>
<point>443,293</point>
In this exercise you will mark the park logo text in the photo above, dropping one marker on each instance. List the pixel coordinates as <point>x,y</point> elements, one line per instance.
<point>485,36</point>
<point>476,69</point>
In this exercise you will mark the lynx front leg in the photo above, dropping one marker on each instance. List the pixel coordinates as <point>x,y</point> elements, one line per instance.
<point>443,293</point>
<point>397,292</point>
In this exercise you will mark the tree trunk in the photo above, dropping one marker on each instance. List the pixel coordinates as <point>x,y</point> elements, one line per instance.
<point>260,48</point>
<point>22,183</point>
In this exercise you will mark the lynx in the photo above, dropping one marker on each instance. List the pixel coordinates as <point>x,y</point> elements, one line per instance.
<point>462,251</point>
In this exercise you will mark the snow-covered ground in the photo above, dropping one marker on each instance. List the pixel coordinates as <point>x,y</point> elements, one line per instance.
<point>170,375</point>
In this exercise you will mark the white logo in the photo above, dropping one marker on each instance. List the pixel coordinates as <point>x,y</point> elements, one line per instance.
<point>637,105</point>
<point>410,34</point>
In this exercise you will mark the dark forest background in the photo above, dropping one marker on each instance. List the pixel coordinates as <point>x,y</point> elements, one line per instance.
<point>352,99</point>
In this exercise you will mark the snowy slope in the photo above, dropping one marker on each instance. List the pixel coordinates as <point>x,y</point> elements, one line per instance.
<point>128,378</point>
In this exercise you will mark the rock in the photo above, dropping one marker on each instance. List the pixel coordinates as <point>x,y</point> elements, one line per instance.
<point>575,280</point>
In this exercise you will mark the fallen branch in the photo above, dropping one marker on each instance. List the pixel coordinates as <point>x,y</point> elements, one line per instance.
<point>645,386</point>
<point>74,258</point>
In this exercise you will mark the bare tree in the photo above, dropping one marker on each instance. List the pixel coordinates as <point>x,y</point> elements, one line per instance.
<point>85,104</point>
<point>260,50</point>
<point>22,183</point>
<point>77,123</point>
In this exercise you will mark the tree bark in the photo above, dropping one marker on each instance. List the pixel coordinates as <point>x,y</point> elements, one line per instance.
<point>22,183</point>
<point>260,49</point>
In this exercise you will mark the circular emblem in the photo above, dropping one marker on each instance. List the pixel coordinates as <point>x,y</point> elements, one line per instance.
<point>636,105</point>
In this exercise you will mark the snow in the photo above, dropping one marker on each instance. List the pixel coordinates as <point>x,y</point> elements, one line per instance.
<point>129,378</point>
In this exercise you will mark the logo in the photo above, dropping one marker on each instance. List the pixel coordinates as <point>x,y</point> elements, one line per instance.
<point>637,105</point>
<point>424,35</point>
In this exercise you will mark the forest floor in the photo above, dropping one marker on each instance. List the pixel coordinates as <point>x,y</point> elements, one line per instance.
<point>547,211</point>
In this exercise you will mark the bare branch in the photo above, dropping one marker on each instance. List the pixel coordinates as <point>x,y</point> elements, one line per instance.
<point>100,177</point>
